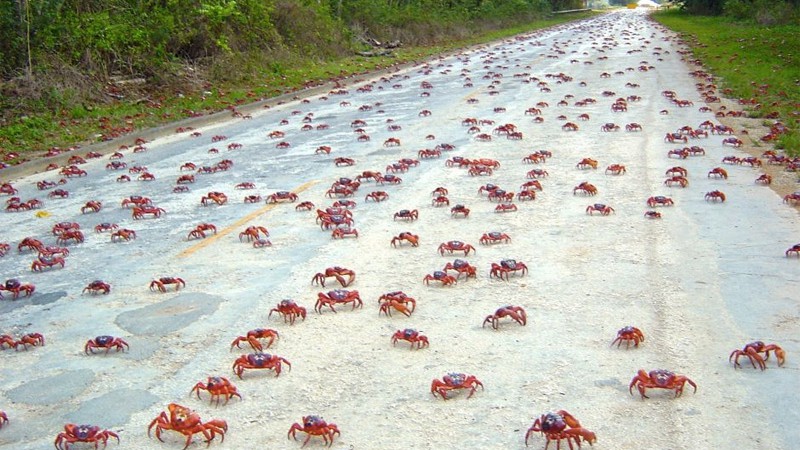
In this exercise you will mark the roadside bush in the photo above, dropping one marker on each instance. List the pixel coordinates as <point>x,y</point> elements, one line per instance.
<point>763,12</point>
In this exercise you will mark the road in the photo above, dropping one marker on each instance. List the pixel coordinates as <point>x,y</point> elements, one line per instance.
<point>705,279</point>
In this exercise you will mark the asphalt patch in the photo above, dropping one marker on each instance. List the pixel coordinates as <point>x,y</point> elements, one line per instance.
<point>53,389</point>
<point>170,315</point>
<point>113,409</point>
<point>7,304</point>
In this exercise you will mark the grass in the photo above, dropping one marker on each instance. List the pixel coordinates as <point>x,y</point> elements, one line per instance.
<point>31,136</point>
<point>751,62</point>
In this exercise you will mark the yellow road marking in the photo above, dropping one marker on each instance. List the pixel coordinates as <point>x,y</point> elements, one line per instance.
<point>236,225</point>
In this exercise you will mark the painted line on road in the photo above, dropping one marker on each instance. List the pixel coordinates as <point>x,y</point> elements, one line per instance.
<point>236,225</point>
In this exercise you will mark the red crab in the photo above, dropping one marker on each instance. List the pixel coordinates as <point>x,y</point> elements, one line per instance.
<point>713,196</point>
<point>628,334</point>
<point>604,210</point>
<point>289,310</point>
<point>507,207</point>
<point>217,197</point>
<point>253,337</point>
<point>718,172</point>
<point>282,197</point>
<point>259,361</point>
<point>587,163</point>
<point>253,233</point>
<point>659,200</point>
<point>217,387</point>
<point>136,200</point>
<point>97,287</point>
<point>440,201</point>
<point>461,267</point>
<point>343,232</point>
<point>91,205</point>
<point>83,433</point>
<point>3,418</point>
<point>337,297</point>
<point>15,287</point>
<point>305,206</point>
<point>414,337</point>
<point>162,283</point>
<point>30,243</point>
<point>679,180</point>
<point>199,231</point>
<point>335,272</point>
<point>106,342</point>
<point>585,188</point>
<point>459,210</point>
<point>652,214</point>
<point>661,379</point>
<point>377,196</point>
<point>454,382</point>
<point>398,301</point>
<point>506,267</point>
<point>105,226</point>
<point>32,339</point>
<point>47,262</point>
<point>412,239</point>
<point>140,211</point>
<point>494,237</point>
<point>440,276</point>
<point>314,426</point>
<point>514,312</point>
<point>753,350</point>
<point>123,234</point>
<point>187,422</point>
<point>559,425</point>
<point>405,214</point>
<point>615,169</point>
<point>455,246</point>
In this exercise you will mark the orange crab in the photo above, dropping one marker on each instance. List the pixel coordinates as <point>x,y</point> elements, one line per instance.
<point>455,246</point>
<point>32,339</point>
<point>91,434</point>
<point>493,237</point>
<point>162,283</point>
<point>659,379</point>
<point>411,238</point>
<point>398,301</point>
<point>106,342</point>
<point>337,297</point>
<point>187,422</point>
<point>454,382</point>
<point>628,334</point>
<point>514,312</point>
<point>253,337</point>
<point>253,233</point>
<point>414,337</point>
<point>289,310</point>
<point>259,361</point>
<point>335,272</point>
<point>314,426</point>
<point>462,267</point>
<point>713,196</point>
<point>753,352</point>
<point>559,425</point>
<point>217,387</point>
<point>440,276</point>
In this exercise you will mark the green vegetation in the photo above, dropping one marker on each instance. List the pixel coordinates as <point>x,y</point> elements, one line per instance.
<point>752,61</point>
<point>763,12</point>
<point>77,71</point>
